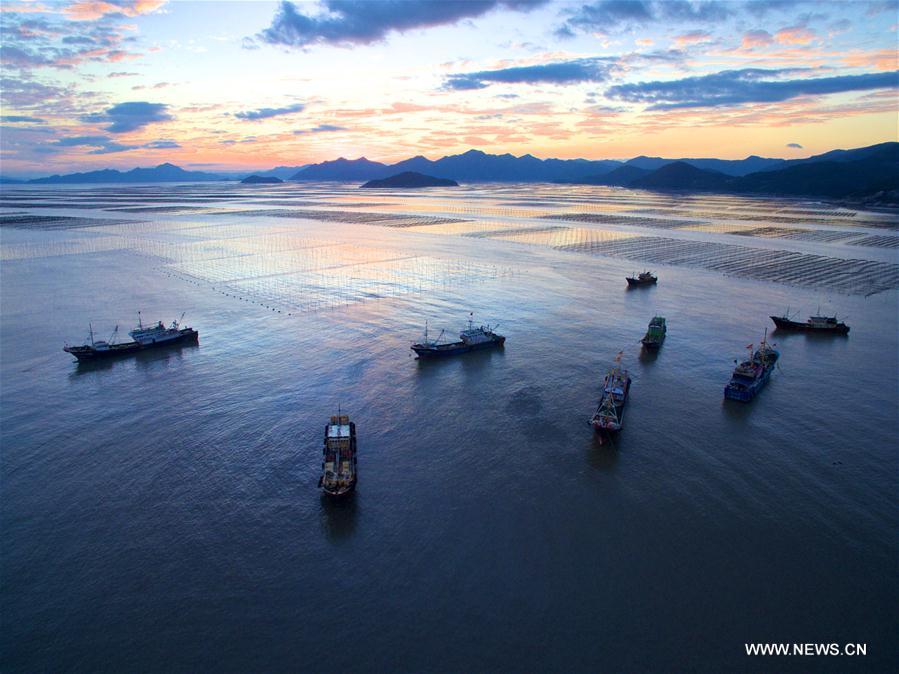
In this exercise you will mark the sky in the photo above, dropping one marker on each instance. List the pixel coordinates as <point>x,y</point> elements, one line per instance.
<point>213,85</point>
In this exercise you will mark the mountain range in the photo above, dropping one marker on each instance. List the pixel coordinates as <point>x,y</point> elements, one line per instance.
<point>164,173</point>
<point>856,173</point>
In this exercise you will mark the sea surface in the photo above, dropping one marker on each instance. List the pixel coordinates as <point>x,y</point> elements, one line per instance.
<point>161,512</point>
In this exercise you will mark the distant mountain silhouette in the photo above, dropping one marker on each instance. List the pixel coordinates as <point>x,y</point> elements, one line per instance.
<point>408,179</point>
<point>857,174</point>
<point>881,150</point>
<point>261,180</point>
<point>876,174</point>
<point>732,167</point>
<point>282,172</point>
<point>620,177</point>
<point>472,166</point>
<point>162,173</point>
<point>683,176</point>
<point>344,170</point>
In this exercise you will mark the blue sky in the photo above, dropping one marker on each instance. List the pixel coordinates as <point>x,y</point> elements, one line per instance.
<point>89,84</point>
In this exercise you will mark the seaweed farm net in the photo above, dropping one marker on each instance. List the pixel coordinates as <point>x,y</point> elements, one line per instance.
<point>780,266</point>
<point>329,275</point>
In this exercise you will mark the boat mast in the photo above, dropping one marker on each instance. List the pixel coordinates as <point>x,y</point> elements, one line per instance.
<point>140,323</point>
<point>91,328</point>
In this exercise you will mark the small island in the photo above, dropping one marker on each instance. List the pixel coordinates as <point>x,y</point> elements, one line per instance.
<point>261,180</point>
<point>411,179</point>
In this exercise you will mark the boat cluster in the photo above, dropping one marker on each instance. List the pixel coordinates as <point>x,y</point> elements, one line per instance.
<point>339,452</point>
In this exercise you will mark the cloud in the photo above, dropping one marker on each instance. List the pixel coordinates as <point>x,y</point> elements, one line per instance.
<point>162,145</point>
<point>795,35</point>
<point>692,37</point>
<point>130,116</point>
<point>90,10</point>
<point>76,141</point>
<point>561,72</point>
<point>265,113</point>
<point>756,38</point>
<point>605,14</point>
<point>750,85</point>
<point>121,73</point>
<point>101,144</point>
<point>354,22</point>
<point>796,145</point>
<point>321,128</point>
<point>35,42</point>
<point>15,119</point>
<point>107,145</point>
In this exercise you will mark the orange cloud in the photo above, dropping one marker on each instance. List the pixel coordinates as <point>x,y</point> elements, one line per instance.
<point>795,35</point>
<point>90,10</point>
<point>693,37</point>
<point>885,59</point>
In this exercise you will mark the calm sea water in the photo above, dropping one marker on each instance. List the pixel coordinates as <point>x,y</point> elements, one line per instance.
<point>161,512</point>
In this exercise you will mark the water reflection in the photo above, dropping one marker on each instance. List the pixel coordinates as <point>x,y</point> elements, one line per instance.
<point>602,453</point>
<point>338,516</point>
<point>143,359</point>
<point>649,356</point>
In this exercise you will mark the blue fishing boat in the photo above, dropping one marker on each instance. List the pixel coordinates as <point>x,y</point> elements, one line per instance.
<point>481,337</point>
<point>751,375</point>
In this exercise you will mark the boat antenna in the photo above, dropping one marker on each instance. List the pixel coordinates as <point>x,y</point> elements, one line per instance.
<point>470,317</point>
<point>91,328</point>
<point>140,323</point>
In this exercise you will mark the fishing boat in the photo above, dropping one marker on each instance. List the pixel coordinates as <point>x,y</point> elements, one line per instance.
<point>339,457</point>
<point>481,337</point>
<point>609,414</point>
<point>817,324</point>
<point>751,375</point>
<point>655,333</point>
<point>143,336</point>
<point>644,278</point>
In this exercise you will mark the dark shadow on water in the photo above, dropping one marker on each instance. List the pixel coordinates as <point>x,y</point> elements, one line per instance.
<point>338,516</point>
<point>143,359</point>
<point>649,356</point>
<point>736,410</point>
<point>603,455</point>
<point>467,360</point>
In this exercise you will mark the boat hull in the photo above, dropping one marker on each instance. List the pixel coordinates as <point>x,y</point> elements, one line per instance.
<point>652,344</point>
<point>632,282</point>
<point>454,348</point>
<point>338,486</point>
<point>746,393</point>
<point>786,324</point>
<point>338,493</point>
<point>609,429</point>
<point>89,353</point>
